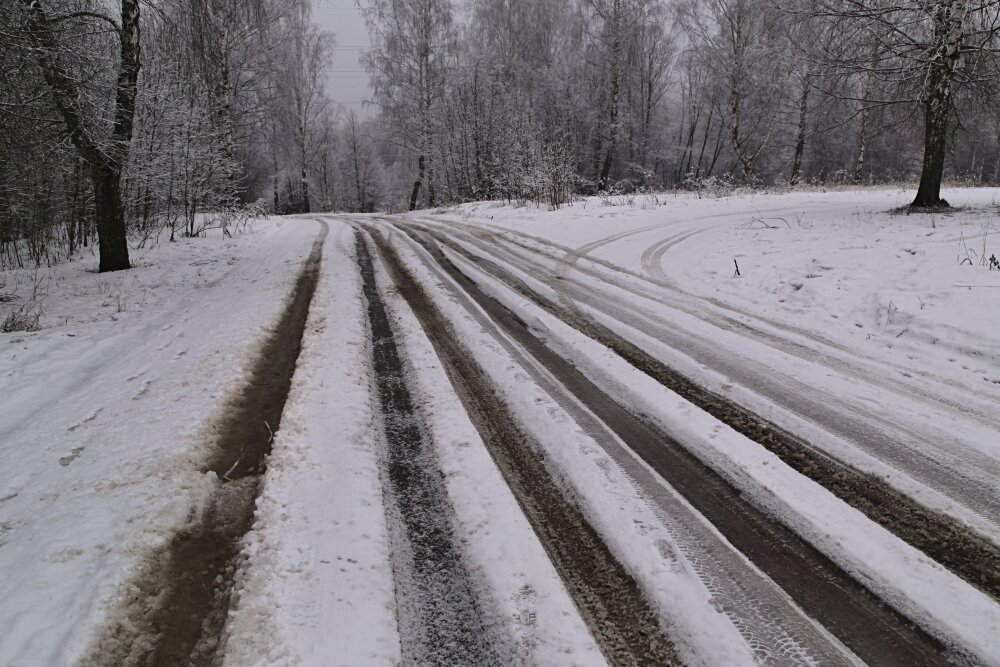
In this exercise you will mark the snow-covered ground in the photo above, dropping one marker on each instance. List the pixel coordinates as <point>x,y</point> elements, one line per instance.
<point>874,336</point>
<point>867,332</point>
<point>847,323</point>
<point>318,589</point>
<point>106,416</point>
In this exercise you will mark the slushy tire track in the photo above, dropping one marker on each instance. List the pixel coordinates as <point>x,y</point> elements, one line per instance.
<point>619,618</point>
<point>183,595</point>
<point>868,626</point>
<point>967,554</point>
<point>440,622</point>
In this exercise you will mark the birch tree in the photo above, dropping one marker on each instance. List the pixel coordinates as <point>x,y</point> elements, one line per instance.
<point>412,44</point>
<point>925,51</point>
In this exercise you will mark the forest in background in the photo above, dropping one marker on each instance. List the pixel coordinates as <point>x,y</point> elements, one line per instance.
<point>120,118</point>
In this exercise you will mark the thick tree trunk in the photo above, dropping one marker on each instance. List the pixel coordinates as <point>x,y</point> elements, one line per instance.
<point>106,158</point>
<point>110,219</point>
<point>949,19</point>
<point>935,143</point>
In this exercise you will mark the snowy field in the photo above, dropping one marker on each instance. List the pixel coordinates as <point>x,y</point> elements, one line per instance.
<point>873,336</point>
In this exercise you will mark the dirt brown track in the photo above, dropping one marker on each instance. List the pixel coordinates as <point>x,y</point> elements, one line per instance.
<point>621,621</point>
<point>970,556</point>
<point>870,628</point>
<point>182,596</point>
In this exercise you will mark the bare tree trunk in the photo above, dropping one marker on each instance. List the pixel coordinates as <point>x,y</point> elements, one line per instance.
<point>359,191</point>
<point>615,93</point>
<point>948,24</point>
<point>305,191</point>
<point>416,184</point>
<point>859,161</point>
<point>431,196</point>
<point>996,164</point>
<point>110,219</point>
<point>936,112</point>
<point>800,141</point>
<point>704,142</point>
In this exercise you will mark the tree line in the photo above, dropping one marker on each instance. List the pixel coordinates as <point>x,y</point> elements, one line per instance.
<point>540,99</point>
<point>119,118</point>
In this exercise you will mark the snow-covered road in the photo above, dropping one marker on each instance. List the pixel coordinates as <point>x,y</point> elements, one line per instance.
<point>532,437</point>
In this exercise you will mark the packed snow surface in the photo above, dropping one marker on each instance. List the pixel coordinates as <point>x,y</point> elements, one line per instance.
<point>869,332</point>
<point>874,335</point>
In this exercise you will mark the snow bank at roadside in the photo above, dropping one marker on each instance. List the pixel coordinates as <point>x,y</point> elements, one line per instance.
<point>105,415</point>
<point>318,587</point>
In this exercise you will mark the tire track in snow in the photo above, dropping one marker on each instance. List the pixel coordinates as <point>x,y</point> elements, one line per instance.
<point>180,599</point>
<point>619,618</point>
<point>728,315</point>
<point>440,620</point>
<point>965,552</point>
<point>865,624</point>
<point>777,632</point>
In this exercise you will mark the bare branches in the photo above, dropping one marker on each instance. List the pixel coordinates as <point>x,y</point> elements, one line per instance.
<point>90,15</point>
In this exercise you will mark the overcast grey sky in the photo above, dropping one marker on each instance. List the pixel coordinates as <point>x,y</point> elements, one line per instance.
<point>347,81</point>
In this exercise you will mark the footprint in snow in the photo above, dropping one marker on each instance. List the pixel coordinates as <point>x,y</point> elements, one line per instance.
<point>73,456</point>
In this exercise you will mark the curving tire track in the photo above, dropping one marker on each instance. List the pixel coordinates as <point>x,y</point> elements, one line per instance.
<point>850,612</point>
<point>967,554</point>
<point>957,472</point>
<point>526,248</point>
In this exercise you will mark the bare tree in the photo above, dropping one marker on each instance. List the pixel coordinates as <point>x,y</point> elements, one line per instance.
<point>301,96</point>
<point>922,51</point>
<point>409,65</point>
<point>102,142</point>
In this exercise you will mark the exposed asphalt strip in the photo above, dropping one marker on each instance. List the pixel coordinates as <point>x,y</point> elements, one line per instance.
<point>625,628</point>
<point>870,628</point>
<point>182,597</point>
<point>970,556</point>
<point>440,619</point>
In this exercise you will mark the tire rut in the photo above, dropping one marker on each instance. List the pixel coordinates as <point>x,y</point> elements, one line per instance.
<point>620,619</point>
<point>859,619</point>
<point>181,596</point>
<point>440,619</point>
<point>968,555</point>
